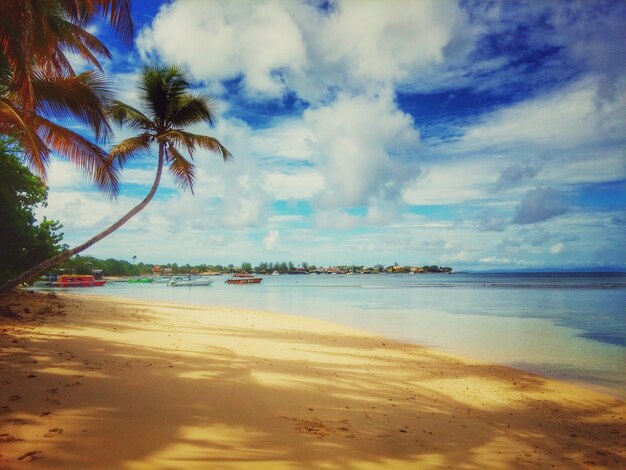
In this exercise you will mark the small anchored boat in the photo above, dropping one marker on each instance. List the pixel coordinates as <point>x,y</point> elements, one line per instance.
<point>77,280</point>
<point>243,278</point>
<point>189,282</point>
<point>141,280</point>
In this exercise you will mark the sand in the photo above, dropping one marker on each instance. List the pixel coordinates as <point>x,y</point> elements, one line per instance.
<point>117,384</point>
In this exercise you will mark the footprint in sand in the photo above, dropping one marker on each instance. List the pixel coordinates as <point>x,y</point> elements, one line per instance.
<point>32,456</point>
<point>6,438</point>
<point>53,432</point>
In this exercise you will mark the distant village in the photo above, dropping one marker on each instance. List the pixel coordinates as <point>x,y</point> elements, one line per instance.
<point>114,267</point>
<point>288,268</point>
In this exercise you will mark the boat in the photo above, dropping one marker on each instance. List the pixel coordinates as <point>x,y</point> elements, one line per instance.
<point>275,273</point>
<point>77,280</point>
<point>243,278</point>
<point>141,280</point>
<point>189,282</point>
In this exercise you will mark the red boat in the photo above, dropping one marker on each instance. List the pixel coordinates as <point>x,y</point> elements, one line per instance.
<point>77,280</point>
<point>243,278</point>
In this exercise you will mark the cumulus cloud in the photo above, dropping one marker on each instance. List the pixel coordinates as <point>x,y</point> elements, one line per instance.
<point>259,42</point>
<point>540,204</point>
<point>313,96</point>
<point>489,222</point>
<point>365,148</point>
<point>280,47</point>
<point>271,240</point>
<point>514,175</point>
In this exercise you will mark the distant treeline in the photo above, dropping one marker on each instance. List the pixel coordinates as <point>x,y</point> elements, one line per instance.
<point>114,267</point>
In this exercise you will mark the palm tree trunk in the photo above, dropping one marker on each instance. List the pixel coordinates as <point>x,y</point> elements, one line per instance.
<point>51,262</point>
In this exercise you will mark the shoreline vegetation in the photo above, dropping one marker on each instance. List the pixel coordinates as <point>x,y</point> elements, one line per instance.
<point>114,268</point>
<point>174,386</point>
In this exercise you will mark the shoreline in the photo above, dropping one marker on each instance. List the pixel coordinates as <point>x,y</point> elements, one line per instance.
<point>192,386</point>
<point>615,393</point>
<point>564,371</point>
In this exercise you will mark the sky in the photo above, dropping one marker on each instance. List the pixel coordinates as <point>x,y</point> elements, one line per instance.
<point>480,135</point>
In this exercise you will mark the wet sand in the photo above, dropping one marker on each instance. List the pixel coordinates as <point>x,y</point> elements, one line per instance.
<point>118,384</point>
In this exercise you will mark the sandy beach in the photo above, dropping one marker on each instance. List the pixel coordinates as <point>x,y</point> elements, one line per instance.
<point>118,384</point>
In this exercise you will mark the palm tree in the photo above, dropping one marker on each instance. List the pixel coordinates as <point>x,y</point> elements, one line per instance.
<point>36,34</point>
<point>37,80</point>
<point>168,108</point>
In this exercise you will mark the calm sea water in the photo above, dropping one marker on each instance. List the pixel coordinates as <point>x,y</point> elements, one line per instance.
<point>566,326</point>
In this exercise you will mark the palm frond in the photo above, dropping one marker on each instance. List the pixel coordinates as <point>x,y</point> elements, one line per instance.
<point>125,115</point>
<point>73,37</point>
<point>130,149</point>
<point>209,143</point>
<point>118,12</point>
<point>161,88</point>
<point>178,137</point>
<point>193,109</point>
<point>81,97</point>
<point>182,170</point>
<point>120,18</point>
<point>15,123</point>
<point>87,156</point>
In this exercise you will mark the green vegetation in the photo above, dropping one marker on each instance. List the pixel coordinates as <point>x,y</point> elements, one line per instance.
<point>40,93</point>
<point>31,80</point>
<point>23,242</point>
<point>113,267</point>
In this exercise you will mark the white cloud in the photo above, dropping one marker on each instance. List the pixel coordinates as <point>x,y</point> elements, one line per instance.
<point>452,182</point>
<point>292,46</point>
<point>365,148</point>
<point>79,210</point>
<point>563,119</point>
<point>389,42</point>
<point>556,248</point>
<point>63,174</point>
<point>302,185</point>
<point>223,40</point>
<point>271,240</point>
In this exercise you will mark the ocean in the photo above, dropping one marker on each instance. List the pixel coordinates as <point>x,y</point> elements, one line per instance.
<point>566,326</point>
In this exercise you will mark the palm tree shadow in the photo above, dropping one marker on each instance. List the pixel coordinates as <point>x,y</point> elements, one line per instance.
<point>166,403</point>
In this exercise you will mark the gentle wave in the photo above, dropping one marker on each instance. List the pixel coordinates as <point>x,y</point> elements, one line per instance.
<point>460,285</point>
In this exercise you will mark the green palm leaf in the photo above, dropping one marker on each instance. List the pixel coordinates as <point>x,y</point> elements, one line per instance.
<point>87,156</point>
<point>130,149</point>
<point>182,170</point>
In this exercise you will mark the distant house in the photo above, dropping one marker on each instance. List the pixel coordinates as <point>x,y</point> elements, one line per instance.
<point>156,269</point>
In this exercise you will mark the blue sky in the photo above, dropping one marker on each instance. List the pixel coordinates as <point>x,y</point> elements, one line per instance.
<point>480,135</point>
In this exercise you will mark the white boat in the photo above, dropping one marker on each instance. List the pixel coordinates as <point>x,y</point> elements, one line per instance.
<point>275,273</point>
<point>199,281</point>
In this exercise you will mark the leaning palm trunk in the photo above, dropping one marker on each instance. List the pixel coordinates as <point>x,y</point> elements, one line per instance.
<point>42,267</point>
<point>170,108</point>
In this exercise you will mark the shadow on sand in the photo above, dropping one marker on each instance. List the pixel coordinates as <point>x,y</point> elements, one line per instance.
<point>328,401</point>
